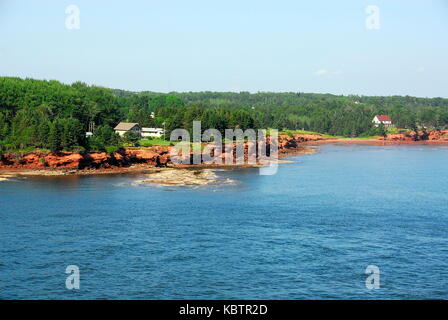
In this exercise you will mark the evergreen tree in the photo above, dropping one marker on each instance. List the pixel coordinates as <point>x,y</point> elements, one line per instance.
<point>54,138</point>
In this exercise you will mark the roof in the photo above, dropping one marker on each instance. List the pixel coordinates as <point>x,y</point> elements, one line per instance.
<point>384,118</point>
<point>125,126</point>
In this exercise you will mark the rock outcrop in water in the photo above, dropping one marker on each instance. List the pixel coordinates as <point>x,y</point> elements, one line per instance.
<point>181,177</point>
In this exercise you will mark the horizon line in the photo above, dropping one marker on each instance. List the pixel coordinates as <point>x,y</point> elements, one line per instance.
<point>229,91</point>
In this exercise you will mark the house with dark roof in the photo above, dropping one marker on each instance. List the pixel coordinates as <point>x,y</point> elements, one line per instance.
<point>124,127</point>
<point>381,119</point>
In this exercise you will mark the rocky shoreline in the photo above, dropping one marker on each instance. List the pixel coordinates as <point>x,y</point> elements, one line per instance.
<point>141,159</point>
<point>124,160</point>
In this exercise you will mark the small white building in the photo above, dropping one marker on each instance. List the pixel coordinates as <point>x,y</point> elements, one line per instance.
<point>152,132</point>
<point>385,120</point>
<point>124,127</point>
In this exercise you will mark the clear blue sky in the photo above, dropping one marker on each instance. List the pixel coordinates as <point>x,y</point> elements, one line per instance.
<point>282,45</point>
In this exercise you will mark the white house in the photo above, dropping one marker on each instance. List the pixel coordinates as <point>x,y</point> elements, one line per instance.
<point>385,120</point>
<point>152,132</point>
<point>124,127</point>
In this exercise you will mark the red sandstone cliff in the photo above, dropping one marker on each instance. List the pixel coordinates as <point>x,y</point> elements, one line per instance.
<point>157,156</point>
<point>432,135</point>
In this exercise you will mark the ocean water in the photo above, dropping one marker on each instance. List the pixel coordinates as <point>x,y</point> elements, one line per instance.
<point>308,232</point>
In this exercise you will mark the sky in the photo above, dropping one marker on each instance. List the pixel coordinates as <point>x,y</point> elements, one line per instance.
<point>321,46</point>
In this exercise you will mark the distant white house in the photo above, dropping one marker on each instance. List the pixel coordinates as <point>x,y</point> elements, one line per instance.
<point>124,127</point>
<point>385,120</point>
<point>152,132</point>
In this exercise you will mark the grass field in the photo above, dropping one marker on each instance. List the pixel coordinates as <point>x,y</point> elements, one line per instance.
<point>154,142</point>
<point>27,150</point>
<point>291,132</point>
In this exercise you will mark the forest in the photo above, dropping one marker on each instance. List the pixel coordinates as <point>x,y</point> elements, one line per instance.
<point>54,116</point>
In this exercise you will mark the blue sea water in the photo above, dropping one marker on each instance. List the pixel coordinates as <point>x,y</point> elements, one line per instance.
<point>308,232</point>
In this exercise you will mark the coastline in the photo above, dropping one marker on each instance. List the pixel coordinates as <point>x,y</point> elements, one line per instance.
<point>378,142</point>
<point>10,172</point>
<point>147,160</point>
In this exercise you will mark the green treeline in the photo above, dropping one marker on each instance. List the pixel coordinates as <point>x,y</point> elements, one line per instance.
<point>55,116</point>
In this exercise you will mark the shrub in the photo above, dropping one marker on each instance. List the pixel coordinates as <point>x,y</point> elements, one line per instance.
<point>78,149</point>
<point>112,149</point>
<point>131,138</point>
